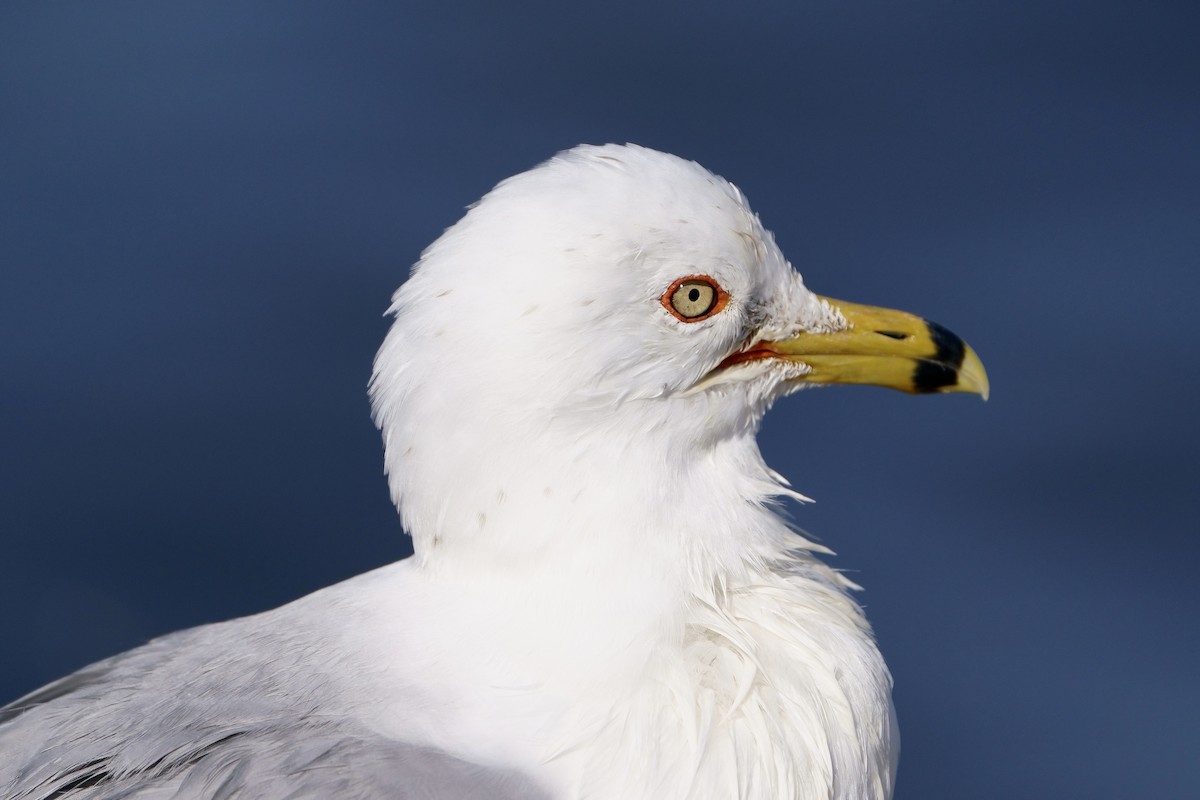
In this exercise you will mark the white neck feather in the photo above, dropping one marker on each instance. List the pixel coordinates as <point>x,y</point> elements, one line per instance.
<point>741,666</point>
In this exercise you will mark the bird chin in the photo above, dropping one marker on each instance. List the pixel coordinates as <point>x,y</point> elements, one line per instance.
<point>769,378</point>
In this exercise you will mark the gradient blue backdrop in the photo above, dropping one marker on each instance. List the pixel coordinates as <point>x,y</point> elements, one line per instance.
<point>205,207</point>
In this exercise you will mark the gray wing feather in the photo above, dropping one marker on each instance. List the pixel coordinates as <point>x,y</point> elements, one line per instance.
<point>202,715</point>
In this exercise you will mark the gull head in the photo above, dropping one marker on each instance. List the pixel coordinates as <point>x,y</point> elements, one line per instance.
<point>596,340</point>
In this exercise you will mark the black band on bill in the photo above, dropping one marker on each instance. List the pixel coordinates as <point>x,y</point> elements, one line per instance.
<point>940,370</point>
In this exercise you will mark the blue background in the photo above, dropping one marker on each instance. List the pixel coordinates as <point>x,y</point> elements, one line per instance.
<point>205,207</point>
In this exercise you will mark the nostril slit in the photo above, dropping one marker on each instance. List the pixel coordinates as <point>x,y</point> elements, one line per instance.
<point>893,334</point>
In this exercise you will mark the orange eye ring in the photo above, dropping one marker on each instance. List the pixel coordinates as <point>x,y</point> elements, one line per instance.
<point>694,298</point>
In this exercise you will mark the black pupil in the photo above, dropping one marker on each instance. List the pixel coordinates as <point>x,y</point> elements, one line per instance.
<point>694,294</point>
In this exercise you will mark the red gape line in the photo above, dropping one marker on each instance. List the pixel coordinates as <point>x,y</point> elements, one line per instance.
<point>756,353</point>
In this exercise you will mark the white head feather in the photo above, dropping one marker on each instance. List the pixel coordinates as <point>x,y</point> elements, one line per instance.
<point>531,333</point>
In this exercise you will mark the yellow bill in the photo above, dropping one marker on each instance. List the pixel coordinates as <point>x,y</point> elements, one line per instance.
<point>882,347</point>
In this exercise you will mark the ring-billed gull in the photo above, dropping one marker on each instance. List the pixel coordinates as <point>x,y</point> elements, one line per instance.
<point>603,602</point>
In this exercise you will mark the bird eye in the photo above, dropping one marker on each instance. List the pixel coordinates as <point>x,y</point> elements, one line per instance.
<point>694,298</point>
